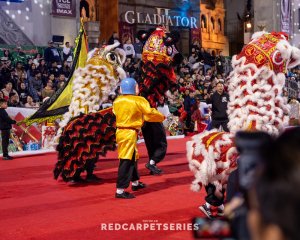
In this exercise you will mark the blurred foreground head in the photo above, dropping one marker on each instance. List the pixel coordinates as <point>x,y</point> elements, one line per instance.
<point>275,201</point>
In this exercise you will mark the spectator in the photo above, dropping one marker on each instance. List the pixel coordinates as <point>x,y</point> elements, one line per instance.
<point>188,103</point>
<point>219,101</point>
<point>54,69</point>
<point>65,69</point>
<point>138,48</point>
<point>61,79</point>
<point>23,79</point>
<point>36,86</point>
<point>13,100</point>
<point>30,103</point>
<point>67,53</point>
<point>23,93</point>
<point>128,48</point>
<point>51,54</point>
<point>20,69</point>
<point>220,61</point>
<point>128,67</point>
<point>5,126</point>
<point>31,71</point>
<point>43,69</point>
<point>5,74</point>
<point>37,59</point>
<point>60,85</point>
<point>113,39</point>
<point>278,182</point>
<point>198,117</point>
<point>7,90</point>
<point>48,90</point>
<point>27,66</point>
<point>163,108</point>
<point>19,52</point>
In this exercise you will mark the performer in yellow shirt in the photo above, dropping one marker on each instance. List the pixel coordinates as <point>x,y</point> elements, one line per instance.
<point>131,111</point>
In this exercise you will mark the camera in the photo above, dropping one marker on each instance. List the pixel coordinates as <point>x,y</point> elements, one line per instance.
<point>253,149</point>
<point>212,229</point>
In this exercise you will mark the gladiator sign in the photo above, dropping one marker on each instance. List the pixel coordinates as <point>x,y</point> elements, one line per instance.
<point>66,8</point>
<point>161,17</point>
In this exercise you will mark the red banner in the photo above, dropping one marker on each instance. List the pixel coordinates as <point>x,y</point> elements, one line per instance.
<point>196,36</point>
<point>126,31</point>
<point>66,8</point>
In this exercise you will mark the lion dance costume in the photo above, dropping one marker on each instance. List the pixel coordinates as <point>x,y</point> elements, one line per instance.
<point>85,132</point>
<point>157,77</point>
<point>256,104</point>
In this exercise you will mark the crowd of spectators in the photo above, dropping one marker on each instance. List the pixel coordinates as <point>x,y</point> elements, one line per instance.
<point>28,84</point>
<point>199,76</point>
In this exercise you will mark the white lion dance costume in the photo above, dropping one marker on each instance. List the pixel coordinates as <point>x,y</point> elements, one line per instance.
<point>256,104</point>
<point>85,132</point>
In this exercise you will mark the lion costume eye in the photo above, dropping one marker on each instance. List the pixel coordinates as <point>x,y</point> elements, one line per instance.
<point>112,58</point>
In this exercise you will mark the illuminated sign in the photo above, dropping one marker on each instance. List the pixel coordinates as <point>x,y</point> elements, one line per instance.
<point>161,17</point>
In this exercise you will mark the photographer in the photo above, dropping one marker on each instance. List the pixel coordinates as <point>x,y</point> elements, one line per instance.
<point>274,201</point>
<point>263,193</point>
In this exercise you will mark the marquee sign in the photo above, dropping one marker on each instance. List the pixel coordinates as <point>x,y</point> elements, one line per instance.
<point>161,17</point>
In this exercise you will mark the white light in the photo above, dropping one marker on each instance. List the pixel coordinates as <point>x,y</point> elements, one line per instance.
<point>41,5</point>
<point>19,11</point>
<point>27,18</point>
<point>35,1</point>
<point>23,28</point>
<point>7,12</point>
<point>42,12</point>
<point>27,9</point>
<point>8,3</point>
<point>13,16</point>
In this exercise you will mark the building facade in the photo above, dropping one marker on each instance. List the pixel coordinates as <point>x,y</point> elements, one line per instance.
<point>34,20</point>
<point>212,18</point>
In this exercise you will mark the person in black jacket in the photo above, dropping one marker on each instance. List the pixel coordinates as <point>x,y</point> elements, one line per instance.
<point>5,126</point>
<point>219,101</point>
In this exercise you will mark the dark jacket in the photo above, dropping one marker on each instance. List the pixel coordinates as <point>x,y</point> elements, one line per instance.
<point>219,106</point>
<point>5,120</point>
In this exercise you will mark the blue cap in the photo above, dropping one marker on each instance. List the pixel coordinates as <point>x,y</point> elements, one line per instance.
<point>128,86</point>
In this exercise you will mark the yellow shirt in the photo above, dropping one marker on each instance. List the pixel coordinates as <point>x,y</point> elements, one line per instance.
<point>131,111</point>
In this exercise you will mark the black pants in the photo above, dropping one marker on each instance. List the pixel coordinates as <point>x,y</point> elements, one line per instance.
<point>5,141</point>
<point>211,198</point>
<point>218,123</point>
<point>156,140</point>
<point>128,171</point>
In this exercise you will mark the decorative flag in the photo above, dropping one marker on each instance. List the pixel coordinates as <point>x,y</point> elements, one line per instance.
<point>59,103</point>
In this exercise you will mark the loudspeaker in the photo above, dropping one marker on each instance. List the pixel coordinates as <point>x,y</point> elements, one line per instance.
<point>58,39</point>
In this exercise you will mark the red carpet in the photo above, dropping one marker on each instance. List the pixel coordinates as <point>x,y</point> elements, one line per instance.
<point>34,206</point>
